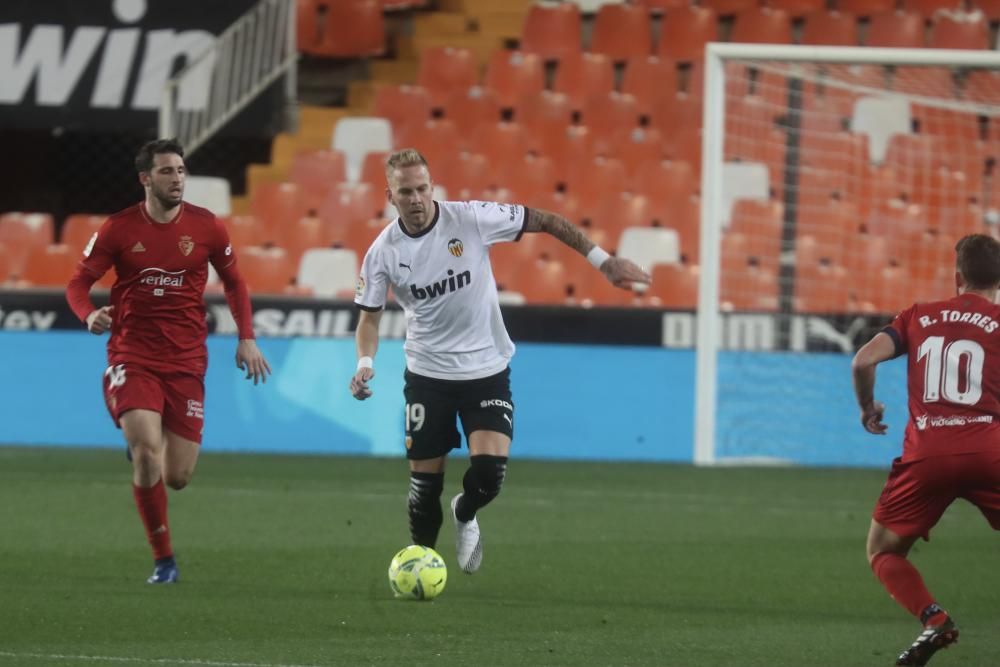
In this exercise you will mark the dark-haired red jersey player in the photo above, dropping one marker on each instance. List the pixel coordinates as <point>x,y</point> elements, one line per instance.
<point>951,447</point>
<point>157,358</point>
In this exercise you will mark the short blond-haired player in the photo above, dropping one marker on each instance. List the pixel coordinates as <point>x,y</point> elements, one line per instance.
<point>436,260</point>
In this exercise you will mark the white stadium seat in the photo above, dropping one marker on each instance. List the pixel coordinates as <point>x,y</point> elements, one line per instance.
<point>328,271</point>
<point>880,118</point>
<point>647,246</point>
<point>743,180</point>
<point>209,192</point>
<point>357,137</point>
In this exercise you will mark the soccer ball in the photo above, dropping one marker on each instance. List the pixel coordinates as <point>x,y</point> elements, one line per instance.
<point>417,573</point>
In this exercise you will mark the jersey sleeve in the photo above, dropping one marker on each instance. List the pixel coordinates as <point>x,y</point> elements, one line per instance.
<point>499,222</point>
<point>898,330</point>
<point>221,254</point>
<point>99,254</point>
<point>373,282</point>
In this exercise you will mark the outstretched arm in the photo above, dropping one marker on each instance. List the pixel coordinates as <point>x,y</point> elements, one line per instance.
<point>620,272</point>
<point>878,349</point>
<point>366,339</point>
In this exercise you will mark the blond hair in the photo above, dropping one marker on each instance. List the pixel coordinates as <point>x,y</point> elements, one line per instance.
<point>407,157</point>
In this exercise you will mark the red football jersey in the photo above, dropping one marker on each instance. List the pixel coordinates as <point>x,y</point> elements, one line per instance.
<point>953,375</point>
<point>159,310</point>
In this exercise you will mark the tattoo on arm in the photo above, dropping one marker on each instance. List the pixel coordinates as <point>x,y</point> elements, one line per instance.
<point>545,221</point>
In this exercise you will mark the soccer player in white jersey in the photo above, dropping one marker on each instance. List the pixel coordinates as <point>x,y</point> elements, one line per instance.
<point>435,258</point>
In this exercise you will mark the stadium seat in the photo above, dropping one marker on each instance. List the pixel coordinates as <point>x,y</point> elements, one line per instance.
<point>743,180</point>
<point>928,8</point>
<point>466,176</point>
<point>674,286</point>
<point>266,270</point>
<point>544,115</point>
<point>866,8</point>
<point>618,212</point>
<point>948,32</point>
<point>308,29</point>
<point>651,80</point>
<point>926,81</point>
<point>798,8</point>
<point>637,148</point>
<point>359,135</point>
<point>351,204</point>
<point>4,265</point>
<point>991,8</point>
<point>761,222</point>
<point>962,127</point>
<point>306,233</point>
<point>667,180</point>
<point>595,181</point>
<point>78,229</point>
<point>591,288</point>
<point>21,233</point>
<point>445,69</point>
<point>511,75</point>
<point>402,105</point>
<point>552,31</point>
<point>896,29</point>
<point>373,170</point>
<point>359,238</point>
<point>649,246</point>
<point>571,146</point>
<point>685,31</point>
<point>660,6</point>
<point>435,139</point>
<point>349,29</point>
<point>49,266</point>
<point>503,145</point>
<point>982,85</point>
<point>584,75</point>
<point>316,173</point>
<point>753,289</point>
<point>610,116</point>
<point>532,176</point>
<point>819,287</point>
<point>328,272</point>
<point>562,203</point>
<point>728,7</point>
<point>245,230</point>
<point>471,107</point>
<point>685,147</point>
<point>277,205</point>
<point>830,28</point>
<point>621,32</point>
<point>208,192</point>
<point>762,25</point>
<point>880,118</point>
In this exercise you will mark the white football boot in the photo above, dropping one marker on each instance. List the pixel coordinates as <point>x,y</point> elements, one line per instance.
<point>468,544</point>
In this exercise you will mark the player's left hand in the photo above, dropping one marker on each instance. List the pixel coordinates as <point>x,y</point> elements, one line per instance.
<point>624,273</point>
<point>250,359</point>
<point>871,418</point>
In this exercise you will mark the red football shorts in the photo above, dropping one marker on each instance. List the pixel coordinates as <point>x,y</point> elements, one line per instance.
<point>918,492</point>
<point>178,397</point>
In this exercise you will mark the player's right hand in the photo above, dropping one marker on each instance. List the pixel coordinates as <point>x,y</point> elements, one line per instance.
<point>99,320</point>
<point>359,383</point>
<point>871,418</point>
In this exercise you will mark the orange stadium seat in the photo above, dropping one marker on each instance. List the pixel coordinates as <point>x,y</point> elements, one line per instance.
<point>593,288</point>
<point>595,181</point>
<point>316,173</point>
<point>636,149</point>
<point>679,114</point>
<point>754,289</point>
<point>308,30</point>
<point>982,86</point>
<point>546,283</point>
<point>276,205</point>
<point>622,31</point>
<point>949,33</point>
<point>532,176</point>
<point>674,286</point>
<point>373,170</point>
<point>609,117</point>
<point>584,75</point>
<point>503,145</point>
<point>896,29</point>
<point>544,115</point>
<point>471,107</point>
<point>929,7</point>
<point>435,139</point>
<point>444,69</point>
<point>667,180</point>
<point>306,233</point>
<point>991,8</point>
<point>513,74</point>
<point>562,203</point>
<point>552,31</point>
<point>727,7</point>
<point>685,31</point>
<point>244,230</point>
<point>819,288</point>
<point>865,8</point>
<point>798,8</point>
<point>571,146</point>
<point>266,270</point>
<point>660,6</point>
<point>359,238</point>
<point>23,232</point>
<point>349,29</point>
<point>927,81</point>
<point>4,264</point>
<point>466,176</point>
<point>651,80</point>
<point>49,266</point>
<point>762,25</point>
<point>79,228</point>
<point>761,223</point>
<point>830,28</point>
<point>684,217</point>
<point>402,105</point>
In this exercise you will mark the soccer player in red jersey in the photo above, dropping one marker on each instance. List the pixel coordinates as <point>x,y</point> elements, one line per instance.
<point>951,447</point>
<point>154,384</point>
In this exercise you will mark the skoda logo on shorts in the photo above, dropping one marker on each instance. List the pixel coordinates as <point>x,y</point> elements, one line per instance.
<point>455,247</point>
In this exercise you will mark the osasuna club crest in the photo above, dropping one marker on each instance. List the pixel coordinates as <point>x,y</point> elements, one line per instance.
<point>455,247</point>
<point>186,245</point>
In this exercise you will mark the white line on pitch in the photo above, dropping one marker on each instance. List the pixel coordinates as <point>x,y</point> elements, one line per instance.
<point>144,661</point>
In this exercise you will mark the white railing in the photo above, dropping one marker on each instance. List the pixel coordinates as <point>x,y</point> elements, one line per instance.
<point>244,61</point>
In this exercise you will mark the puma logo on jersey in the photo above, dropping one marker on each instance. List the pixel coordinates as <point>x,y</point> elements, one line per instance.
<point>449,284</point>
<point>405,266</point>
<point>138,247</point>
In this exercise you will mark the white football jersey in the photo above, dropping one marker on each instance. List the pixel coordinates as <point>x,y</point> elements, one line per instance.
<point>443,279</point>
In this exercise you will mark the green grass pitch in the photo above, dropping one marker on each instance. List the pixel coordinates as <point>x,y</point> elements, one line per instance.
<point>283,563</point>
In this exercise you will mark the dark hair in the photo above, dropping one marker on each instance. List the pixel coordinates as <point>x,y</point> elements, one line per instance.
<point>144,158</point>
<point>978,260</point>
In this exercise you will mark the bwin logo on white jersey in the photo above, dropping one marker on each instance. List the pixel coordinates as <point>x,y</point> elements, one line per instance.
<point>449,284</point>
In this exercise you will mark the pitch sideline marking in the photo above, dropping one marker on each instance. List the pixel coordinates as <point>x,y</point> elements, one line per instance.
<point>144,661</point>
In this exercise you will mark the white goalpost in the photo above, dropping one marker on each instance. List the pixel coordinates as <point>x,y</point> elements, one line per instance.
<point>835,182</point>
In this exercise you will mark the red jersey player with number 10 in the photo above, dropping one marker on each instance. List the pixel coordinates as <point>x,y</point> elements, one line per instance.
<point>951,448</point>
<point>154,384</point>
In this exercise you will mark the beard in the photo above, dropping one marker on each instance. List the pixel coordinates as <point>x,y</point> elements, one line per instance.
<point>166,198</point>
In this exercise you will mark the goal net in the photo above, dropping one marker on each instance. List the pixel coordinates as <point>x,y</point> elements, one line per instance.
<point>835,184</point>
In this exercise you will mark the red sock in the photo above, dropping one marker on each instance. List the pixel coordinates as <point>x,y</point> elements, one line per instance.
<point>152,505</point>
<point>903,582</point>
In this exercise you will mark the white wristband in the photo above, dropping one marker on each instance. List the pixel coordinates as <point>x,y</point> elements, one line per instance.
<point>597,256</point>
<point>365,362</point>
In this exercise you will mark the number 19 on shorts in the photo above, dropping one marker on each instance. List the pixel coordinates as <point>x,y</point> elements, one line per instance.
<point>414,417</point>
